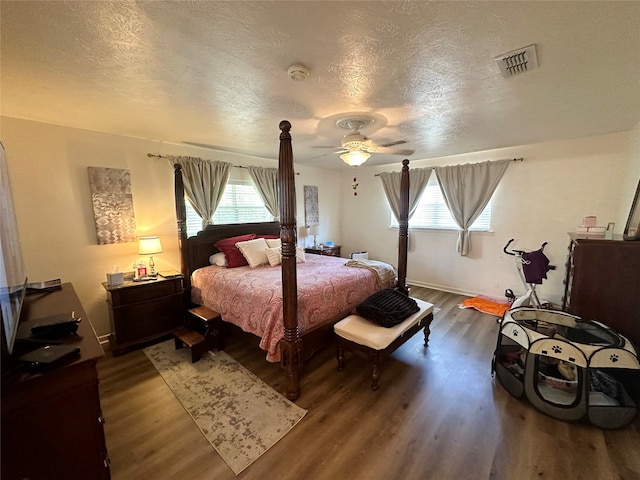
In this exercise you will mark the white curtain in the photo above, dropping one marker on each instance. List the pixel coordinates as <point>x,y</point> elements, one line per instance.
<point>418,178</point>
<point>466,190</point>
<point>266,181</point>
<point>204,184</point>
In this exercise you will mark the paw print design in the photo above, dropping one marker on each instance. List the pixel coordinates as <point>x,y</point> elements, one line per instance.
<point>514,332</point>
<point>613,358</point>
<point>556,349</point>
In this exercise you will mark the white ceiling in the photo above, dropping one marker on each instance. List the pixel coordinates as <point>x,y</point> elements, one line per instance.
<point>215,73</point>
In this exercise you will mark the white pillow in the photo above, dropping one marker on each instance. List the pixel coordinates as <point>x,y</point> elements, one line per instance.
<point>274,242</point>
<point>274,255</point>
<point>254,251</point>
<point>218,259</point>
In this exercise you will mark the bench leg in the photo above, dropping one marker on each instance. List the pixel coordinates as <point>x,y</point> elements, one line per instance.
<point>178,343</point>
<point>427,324</point>
<point>376,358</point>
<point>427,331</point>
<point>340,357</point>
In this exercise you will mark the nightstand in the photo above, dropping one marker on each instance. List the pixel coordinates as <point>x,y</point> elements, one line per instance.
<point>143,312</point>
<point>333,251</point>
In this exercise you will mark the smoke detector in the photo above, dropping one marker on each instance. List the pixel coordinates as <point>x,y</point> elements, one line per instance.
<point>517,62</point>
<point>297,73</point>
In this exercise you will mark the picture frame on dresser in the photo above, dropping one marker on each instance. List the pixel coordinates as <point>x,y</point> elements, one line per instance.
<point>632,228</point>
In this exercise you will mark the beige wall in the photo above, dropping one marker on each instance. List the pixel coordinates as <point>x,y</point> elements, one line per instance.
<point>538,200</point>
<point>48,172</point>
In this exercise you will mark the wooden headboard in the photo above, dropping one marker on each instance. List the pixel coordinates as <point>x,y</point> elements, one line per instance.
<point>197,250</point>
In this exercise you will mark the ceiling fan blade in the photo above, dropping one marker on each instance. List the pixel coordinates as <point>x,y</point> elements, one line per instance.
<point>391,144</point>
<point>394,151</point>
<point>205,145</point>
<point>406,152</point>
<point>331,153</point>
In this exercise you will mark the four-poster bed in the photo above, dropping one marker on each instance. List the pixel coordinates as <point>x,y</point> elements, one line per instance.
<point>295,345</point>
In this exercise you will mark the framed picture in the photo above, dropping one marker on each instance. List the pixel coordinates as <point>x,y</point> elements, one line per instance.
<point>112,205</point>
<point>632,229</point>
<point>311,214</point>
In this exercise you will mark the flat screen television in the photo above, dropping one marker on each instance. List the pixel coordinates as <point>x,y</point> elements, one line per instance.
<point>13,279</point>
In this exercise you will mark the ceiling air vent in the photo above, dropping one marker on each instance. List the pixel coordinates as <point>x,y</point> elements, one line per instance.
<point>517,62</point>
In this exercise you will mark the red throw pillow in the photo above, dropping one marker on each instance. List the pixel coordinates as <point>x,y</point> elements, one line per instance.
<point>231,252</point>
<point>265,236</point>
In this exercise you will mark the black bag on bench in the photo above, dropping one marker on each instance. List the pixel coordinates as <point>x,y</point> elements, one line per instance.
<point>387,307</point>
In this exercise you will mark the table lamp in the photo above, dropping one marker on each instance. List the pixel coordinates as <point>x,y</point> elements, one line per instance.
<point>150,246</point>
<point>313,230</point>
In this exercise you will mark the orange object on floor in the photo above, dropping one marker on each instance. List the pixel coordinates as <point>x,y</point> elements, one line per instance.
<point>486,305</point>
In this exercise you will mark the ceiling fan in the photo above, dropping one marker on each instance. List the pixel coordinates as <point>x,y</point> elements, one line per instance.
<point>356,148</point>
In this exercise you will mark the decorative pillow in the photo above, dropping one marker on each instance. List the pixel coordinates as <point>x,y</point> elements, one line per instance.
<point>218,259</point>
<point>231,252</point>
<point>274,255</point>
<point>387,307</point>
<point>274,242</point>
<point>254,251</point>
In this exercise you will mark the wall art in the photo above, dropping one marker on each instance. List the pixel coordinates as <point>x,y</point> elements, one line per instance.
<point>311,214</point>
<point>112,205</point>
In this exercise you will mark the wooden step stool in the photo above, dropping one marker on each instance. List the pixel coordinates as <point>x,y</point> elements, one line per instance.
<point>198,342</point>
<point>359,335</point>
<point>192,339</point>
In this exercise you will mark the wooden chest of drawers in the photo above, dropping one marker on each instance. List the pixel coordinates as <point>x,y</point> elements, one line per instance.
<point>602,283</point>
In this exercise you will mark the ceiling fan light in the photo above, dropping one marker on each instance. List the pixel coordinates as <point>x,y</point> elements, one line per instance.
<point>355,158</point>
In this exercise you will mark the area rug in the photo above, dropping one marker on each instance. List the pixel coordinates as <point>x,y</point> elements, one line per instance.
<point>240,415</point>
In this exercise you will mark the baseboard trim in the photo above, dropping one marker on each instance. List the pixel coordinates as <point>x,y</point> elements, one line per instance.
<point>442,288</point>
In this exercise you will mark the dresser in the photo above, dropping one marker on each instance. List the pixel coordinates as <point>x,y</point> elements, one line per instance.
<point>602,282</point>
<point>333,251</point>
<point>142,312</point>
<point>52,424</point>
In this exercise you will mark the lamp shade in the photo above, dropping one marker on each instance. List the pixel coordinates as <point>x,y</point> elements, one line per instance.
<point>354,158</point>
<point>312,230</point>
<point>149,245</point>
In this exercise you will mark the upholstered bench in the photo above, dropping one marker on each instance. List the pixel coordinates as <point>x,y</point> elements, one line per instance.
<point>359,335</point>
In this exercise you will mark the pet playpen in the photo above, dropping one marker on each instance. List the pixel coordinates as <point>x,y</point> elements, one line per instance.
<point>568,368</point>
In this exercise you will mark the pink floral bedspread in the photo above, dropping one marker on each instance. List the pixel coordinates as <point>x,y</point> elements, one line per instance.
<point>251,298</point>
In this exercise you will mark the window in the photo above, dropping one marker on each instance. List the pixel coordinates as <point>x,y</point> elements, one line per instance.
<point>432,212</point>
<point>240,203</point>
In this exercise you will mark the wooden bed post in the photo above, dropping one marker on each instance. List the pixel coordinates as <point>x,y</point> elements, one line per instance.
<point>181,216</point>
<point>291,344</point>
<point>403,234</point>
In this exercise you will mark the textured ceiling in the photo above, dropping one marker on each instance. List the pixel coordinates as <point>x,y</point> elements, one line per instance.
<point>215,73</point>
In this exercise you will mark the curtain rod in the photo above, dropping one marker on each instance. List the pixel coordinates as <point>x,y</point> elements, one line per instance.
<point>152,155</point>
<point>521,159</point>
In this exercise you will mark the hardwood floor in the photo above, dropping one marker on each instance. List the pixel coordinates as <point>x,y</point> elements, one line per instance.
<point>438,415</point>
